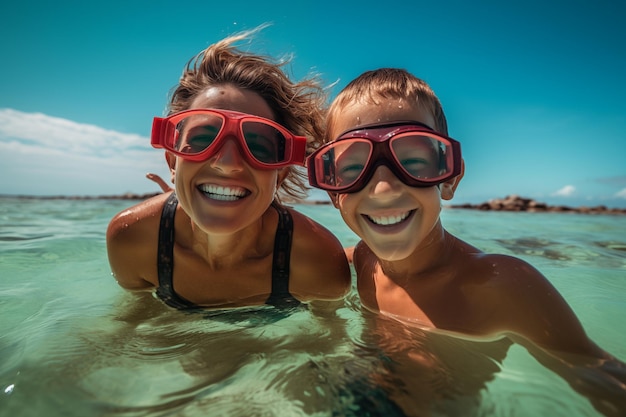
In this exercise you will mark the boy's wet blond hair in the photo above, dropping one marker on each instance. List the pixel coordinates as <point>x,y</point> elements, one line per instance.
<point>383,84</point>
<point>298,106</point>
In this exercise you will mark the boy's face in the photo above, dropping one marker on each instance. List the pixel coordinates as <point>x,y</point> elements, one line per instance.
<point>393,219</point>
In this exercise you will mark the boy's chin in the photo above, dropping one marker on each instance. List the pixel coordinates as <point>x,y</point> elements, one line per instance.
<point>392,253</point>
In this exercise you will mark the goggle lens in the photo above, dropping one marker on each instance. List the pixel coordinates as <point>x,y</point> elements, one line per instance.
<point>265,142</point>
<point>194,134</point>
<point>423,157</point>
<point>342,163</point>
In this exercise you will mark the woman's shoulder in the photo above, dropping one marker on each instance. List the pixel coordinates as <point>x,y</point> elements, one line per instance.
<point>132,237</point>
<point>304,224</point>
<point>313,237</point>
<point>319,266</point>
<point>137,219</point>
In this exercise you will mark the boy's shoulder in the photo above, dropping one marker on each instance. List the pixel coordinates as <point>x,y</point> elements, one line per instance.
<point>468,259</point>
<point>502,265</point>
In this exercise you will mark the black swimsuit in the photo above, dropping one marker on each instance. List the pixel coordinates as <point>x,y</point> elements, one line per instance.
<point>280,295</point>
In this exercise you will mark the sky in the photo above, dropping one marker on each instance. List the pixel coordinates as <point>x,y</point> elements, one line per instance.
<point>535,91</point>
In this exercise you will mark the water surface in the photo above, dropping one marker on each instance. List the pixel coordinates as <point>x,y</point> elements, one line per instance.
<point>73,343</point>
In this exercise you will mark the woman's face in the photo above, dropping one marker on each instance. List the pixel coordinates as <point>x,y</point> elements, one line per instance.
<point>224,194</point>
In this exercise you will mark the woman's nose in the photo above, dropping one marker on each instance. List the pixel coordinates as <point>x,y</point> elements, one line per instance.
<point>228,157</point>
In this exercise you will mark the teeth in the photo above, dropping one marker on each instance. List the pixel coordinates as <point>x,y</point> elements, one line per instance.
<point>389,220</point>
<point>223,193</point>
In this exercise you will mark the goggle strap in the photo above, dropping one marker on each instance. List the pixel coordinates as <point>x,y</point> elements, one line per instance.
<point>298,149</point>
<point>157,132</point>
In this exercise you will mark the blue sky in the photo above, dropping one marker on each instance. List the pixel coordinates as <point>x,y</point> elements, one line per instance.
<point>534,90</point>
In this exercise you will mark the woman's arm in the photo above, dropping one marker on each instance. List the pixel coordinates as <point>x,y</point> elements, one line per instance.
<point>132,240</point>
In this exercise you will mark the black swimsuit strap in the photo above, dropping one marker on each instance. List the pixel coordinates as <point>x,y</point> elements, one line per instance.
<point>282,256</point>
<point>165,260</point>
<point>279,296</point>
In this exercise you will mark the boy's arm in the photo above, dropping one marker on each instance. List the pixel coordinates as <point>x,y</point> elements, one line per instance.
<point>601,377</point>
<point>543,322</point>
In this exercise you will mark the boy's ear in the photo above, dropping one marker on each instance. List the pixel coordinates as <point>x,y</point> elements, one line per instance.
<point>171,162</point>
<point>449,187</point>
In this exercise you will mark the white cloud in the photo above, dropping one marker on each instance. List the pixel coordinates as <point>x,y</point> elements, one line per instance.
<point>621,193</point>
<point>566,191</point>
<point>50,155</point>
<point>55,133</point>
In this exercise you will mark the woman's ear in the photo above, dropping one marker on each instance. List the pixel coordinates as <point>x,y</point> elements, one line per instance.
<point>171,162</point>
<point>282,175</point>
<point>334,198</point>
<point>449,187</point>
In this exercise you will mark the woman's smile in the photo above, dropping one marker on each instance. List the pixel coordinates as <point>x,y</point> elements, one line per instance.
<point>223,193</point>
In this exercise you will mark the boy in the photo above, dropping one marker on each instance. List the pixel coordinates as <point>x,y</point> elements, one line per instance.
<point>387,165</point>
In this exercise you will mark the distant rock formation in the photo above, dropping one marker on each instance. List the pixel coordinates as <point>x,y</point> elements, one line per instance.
<point>508,203</point>
<point>517,203</point>
<point>126,196</point>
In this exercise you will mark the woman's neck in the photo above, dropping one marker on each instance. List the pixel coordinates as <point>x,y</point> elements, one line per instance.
<point>225,250</point>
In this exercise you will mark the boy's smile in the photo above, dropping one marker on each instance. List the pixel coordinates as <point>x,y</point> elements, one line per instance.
<point>389,220</point>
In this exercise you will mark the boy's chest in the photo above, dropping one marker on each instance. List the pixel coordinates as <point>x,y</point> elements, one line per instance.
<point>444,304</point>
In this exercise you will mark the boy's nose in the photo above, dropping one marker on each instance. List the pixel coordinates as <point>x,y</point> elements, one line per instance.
<point>384,184</point>
<point>228,157</point>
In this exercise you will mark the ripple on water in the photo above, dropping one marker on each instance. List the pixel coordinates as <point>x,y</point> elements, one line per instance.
<point>525,388</point>
<point>618,248</point>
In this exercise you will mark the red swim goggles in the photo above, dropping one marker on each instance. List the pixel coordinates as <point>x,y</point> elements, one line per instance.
<point>415,153</point>
<point>196,135</point>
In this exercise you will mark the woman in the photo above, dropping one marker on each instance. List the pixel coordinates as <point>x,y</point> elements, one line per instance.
<point>222,238</point>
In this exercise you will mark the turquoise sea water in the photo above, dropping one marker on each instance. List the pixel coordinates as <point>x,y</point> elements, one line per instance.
<point>72,343</point>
